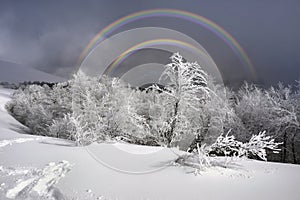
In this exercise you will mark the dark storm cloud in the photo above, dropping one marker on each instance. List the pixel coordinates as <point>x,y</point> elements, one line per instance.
<point>45,35</point>
<point>50,35</point>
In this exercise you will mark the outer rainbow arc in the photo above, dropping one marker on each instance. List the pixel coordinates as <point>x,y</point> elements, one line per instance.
<point>149,43</point>
<point>210,25</point>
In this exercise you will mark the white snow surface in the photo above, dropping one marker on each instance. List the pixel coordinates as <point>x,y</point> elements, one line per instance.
<point>36,167</point>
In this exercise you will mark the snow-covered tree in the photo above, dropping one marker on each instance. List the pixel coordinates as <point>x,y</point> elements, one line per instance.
<point>187,109</point>
<point>296,134</point>
<point>97,107</point>
<point>255,110</point>
<point>31,107</point>
<point>271,110</point>
<point>133,118</point>
<point>186,85</point>
<point>286,122</point>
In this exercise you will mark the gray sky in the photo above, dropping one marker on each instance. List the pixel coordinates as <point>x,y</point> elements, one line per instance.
<point>50,34</point>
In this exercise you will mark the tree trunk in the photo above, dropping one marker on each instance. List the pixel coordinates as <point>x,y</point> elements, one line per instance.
<point>170,133</point>
<point>293,147</point>
<point>283,158</point>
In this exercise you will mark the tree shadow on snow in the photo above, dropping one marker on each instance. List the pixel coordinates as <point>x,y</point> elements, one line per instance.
<point>59,142</point>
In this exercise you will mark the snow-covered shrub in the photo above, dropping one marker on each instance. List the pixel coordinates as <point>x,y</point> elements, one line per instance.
<point>258,144</point>
<point>19,106</point>
<point>199,160</point>
<point>104,109</point>
<point>31,107</point>
<point>227,145</point>
<point>63,128</point>
<point>37,106</point>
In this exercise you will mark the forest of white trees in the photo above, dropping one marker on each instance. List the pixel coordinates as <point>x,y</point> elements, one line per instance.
<point>190,111</point>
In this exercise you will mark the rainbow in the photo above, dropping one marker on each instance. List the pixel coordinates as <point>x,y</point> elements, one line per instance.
<point>154,42</point>
<point>197,19</point>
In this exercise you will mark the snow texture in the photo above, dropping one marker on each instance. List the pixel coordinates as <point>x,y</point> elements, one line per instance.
<point>41,185</point>
<point>4,143</point>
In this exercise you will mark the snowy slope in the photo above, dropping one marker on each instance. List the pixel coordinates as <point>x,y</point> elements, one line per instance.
<point>35,166</point>
<point>14,73</point>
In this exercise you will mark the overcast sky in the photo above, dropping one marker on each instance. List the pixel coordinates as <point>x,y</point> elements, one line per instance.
<point>50,34</point>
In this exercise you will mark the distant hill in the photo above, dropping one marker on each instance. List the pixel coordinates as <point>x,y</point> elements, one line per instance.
<point>14,73</point>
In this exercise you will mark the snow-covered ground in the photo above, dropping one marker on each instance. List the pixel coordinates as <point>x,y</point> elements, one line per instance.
<point>36,167</point>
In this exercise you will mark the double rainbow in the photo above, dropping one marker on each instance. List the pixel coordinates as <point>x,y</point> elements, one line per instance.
<point>197,19</point>
<point>154,42</point>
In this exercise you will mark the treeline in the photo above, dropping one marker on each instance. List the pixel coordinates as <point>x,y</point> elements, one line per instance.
<point>24,84</point>
<point>190,111</point>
